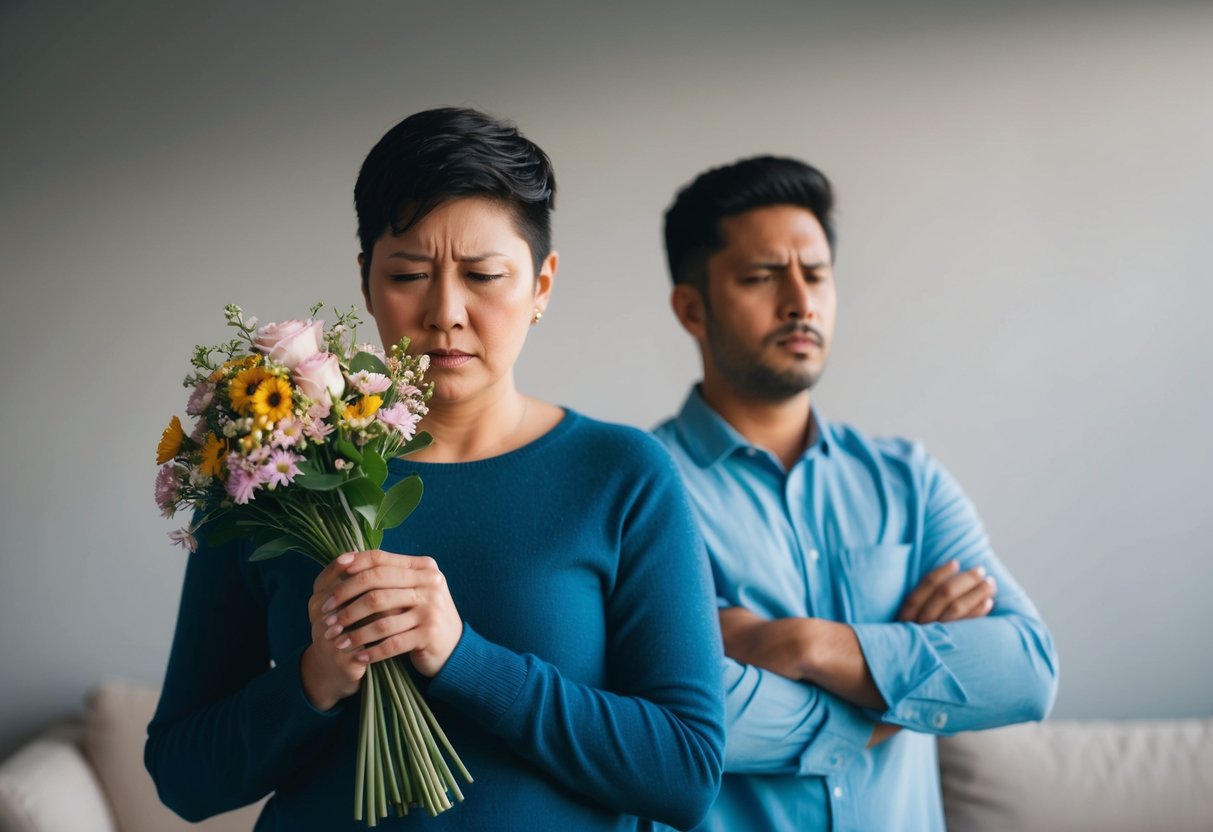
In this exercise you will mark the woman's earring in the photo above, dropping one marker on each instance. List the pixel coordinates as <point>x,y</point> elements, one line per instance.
<point>536,317</point>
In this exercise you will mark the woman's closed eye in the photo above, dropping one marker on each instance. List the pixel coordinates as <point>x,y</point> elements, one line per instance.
<point>481,277</point>
<point>406,278</point>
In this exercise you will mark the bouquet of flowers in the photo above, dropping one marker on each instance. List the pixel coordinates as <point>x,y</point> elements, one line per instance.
<point>294,427</point>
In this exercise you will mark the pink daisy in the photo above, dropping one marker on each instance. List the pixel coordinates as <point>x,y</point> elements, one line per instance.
<point>400,418</point>
<point>168,490</point>
<point>368,383</point>
<point>281,469</point>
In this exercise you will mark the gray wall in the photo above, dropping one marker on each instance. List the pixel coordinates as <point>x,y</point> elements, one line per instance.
<point>1023,269</point>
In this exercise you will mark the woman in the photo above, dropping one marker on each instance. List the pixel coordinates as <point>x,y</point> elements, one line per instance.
<point>550,588</point>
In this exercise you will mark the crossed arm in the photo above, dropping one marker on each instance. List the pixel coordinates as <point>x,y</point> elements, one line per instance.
<point>828,654</point>
<point>804,695</point>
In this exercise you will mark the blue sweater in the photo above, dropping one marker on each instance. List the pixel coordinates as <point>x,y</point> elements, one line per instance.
<point>584,694</point>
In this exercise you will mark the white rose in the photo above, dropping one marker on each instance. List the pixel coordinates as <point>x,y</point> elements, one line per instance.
<point>319,377</point>
<point>290,342</point>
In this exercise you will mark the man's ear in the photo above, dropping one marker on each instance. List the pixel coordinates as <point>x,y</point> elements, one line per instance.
<point>366,282</point>
<point>687,303</point>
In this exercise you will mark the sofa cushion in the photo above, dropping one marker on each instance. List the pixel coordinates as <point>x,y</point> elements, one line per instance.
<point>1061,776</point>
<point>47,786</point>
<point>115,730</point>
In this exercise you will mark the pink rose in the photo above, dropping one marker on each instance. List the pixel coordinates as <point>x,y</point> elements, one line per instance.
<point>319,377</point>
<point>290,342</point>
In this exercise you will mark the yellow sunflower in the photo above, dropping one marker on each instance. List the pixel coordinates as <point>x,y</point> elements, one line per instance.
<point>362,410</point>
<point>170,442</point>
<point>214,450</point>
<point>244,386</point>
<point>247,361</point>
<point>272,399</point>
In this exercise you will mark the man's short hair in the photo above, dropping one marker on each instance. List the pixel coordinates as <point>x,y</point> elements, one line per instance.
<point>438,155</point>
<point>692,223</point>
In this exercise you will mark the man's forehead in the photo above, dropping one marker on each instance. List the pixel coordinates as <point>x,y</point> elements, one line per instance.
<point>773,230</point>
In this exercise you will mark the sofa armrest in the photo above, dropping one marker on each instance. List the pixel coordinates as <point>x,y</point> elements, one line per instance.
<point>1073,776</point>
<point>47,786</point>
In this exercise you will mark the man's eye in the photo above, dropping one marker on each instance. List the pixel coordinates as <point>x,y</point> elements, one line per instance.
<point>405,278</point>
<point>484,278</point>
<point>756,278</point>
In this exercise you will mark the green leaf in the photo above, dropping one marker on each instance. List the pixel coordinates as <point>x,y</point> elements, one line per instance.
<point>364,497</point>
<point>421,440</point>
<point>374,538</point>
<point>347,450</point>
<point>369,362</point>
<point>277,546</point>
<point>399,502</point>
<point>319,482</point>
<point>374,467</point>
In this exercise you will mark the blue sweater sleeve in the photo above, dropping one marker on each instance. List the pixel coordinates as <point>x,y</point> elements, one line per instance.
<point>963,675</point>
<point>660,719</point>
<point>228,727</point>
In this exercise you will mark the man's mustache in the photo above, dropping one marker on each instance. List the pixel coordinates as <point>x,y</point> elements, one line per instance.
<point>796,328</point>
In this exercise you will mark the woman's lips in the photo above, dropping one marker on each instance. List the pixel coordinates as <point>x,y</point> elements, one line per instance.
<point>449,360</point>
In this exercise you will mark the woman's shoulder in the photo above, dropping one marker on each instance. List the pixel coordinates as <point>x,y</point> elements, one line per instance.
<point>617,443</point>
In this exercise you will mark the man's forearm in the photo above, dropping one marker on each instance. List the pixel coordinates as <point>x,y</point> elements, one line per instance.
<point>823,653</point>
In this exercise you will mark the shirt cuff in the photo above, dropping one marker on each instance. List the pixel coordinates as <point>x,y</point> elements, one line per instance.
<point>480,677</point>
<point>907,665</point>
<point>843,736</point>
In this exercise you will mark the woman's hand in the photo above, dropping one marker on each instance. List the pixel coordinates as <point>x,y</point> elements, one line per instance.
<point>370,606</point>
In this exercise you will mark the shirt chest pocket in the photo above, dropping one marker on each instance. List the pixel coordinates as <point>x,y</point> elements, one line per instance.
<point>874,581</point>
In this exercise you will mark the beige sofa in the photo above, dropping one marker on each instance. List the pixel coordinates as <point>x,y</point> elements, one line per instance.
<point>1147,776</point>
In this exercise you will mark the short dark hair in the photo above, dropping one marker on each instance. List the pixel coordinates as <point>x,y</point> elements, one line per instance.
<point>446,153</point>
<point>692,223</point>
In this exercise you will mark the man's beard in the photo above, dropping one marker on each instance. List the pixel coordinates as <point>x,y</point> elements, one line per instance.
<point>746,373</point>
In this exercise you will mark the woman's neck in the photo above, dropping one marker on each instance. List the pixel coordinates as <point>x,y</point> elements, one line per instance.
<point>489,425</point>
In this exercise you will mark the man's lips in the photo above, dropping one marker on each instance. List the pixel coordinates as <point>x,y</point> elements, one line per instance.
<point>800,342</point>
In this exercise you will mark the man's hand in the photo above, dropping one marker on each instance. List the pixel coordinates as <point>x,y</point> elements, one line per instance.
<point>824,653</point>
<point>947,594</point>
<point>780,646</point>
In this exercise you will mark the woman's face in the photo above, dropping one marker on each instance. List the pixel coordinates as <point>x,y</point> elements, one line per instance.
<point>460,284</point>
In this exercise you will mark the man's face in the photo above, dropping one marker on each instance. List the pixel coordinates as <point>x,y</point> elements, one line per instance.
<point>772,302</point>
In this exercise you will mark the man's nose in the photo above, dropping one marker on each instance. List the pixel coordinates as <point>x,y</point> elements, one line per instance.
<point>795,299</point>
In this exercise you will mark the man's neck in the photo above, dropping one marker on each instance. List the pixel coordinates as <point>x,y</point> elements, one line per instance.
<point>781,427</point>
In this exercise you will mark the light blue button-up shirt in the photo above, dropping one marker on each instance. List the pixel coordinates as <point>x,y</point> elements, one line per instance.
<point>845,535</point>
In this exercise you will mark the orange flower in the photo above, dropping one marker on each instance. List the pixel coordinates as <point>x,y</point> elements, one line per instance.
<point>214,451</point>
<point>170,442</point>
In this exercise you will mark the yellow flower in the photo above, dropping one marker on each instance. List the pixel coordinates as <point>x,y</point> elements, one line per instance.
<point>214,450</point>
<point>244,386</point>
<point>361,411</point>
<point>170,442</point>
<point>247,361</point>
<point>272,399</point>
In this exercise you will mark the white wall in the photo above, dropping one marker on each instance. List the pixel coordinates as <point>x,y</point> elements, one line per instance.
<point>1023,269</point>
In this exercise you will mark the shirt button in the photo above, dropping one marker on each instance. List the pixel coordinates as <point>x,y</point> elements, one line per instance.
<point>940,720</point>
<point>838,792</point>
<point>814,555</point>
<point>751,452</point>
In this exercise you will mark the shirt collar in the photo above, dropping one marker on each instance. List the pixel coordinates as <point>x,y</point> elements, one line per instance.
<point>709,438</point>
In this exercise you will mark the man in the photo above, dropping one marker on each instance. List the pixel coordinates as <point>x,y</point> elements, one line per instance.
<point>855,582</point>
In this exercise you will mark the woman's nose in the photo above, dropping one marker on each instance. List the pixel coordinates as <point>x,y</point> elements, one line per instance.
<point>445,304</point>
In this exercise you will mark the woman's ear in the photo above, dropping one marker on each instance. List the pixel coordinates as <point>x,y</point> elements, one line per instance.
<point>689,308</point>
<point>544,280</point>
<point>365,277</point>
